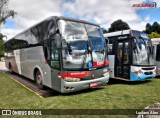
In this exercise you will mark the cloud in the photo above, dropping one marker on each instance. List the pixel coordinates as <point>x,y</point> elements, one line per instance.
<point>9,32</point>
<point>29,12</point>
<point>105,12</point>
<point>102,12</point>
<point>32,11</point>
<point>147,18</point>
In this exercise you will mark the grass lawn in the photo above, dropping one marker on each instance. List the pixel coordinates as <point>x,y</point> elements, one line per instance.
<point>116,95</point>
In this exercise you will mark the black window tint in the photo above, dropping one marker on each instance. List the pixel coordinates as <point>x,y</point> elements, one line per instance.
<point>34,36</point>
<point>42,31</point>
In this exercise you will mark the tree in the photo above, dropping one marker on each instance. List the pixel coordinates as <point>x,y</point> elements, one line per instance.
<point>4,12</point>
<point>104,30</point>
<point>148,28</point>
<point>118,25</point>
<point>154,35</point>
<point>1,44</point>
<point>156,27</point>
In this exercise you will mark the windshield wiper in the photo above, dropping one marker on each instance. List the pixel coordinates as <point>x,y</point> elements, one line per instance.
<point>87,51</point>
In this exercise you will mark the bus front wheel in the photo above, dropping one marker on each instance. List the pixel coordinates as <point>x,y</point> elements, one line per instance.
<point>39,80</point>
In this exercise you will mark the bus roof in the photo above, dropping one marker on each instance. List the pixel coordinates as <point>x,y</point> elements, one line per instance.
<point>58,18</point>
<point>76,20</point>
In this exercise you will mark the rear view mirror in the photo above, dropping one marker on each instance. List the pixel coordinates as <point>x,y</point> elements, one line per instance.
<point>58,40</point>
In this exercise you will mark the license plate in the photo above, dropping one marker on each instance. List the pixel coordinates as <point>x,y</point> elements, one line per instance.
<point>93,84</point>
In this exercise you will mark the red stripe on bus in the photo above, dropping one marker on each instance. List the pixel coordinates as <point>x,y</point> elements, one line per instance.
<point>79,74</point>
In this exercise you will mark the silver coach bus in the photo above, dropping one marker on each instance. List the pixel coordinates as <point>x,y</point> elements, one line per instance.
<point>156,45</point>
<point>130,55</point>
<point>62,53</point>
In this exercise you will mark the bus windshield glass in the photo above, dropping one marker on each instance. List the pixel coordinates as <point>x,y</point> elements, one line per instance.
<point>143,52</point>
<point>85,45</point>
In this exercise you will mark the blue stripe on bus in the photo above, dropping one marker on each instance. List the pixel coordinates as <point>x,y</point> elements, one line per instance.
<point>135,77</point>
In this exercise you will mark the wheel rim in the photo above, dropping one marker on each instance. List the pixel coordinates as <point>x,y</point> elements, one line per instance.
<point>39,79</point>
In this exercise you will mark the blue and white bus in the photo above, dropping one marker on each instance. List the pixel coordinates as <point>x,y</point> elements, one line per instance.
<point>130,55</point>
<point>156,50</point>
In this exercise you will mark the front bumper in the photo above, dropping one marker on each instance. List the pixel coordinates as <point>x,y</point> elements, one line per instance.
<point>67,87</point>
<point>139,77</point>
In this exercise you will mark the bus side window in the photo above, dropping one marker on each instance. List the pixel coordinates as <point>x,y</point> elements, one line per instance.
<point>54,54</point>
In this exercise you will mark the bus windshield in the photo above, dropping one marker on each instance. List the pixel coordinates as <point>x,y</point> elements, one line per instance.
<point>85,45</point>
<point>143,53</point>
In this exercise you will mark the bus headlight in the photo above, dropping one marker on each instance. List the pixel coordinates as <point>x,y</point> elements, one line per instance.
<point>106,73</point>
<point>138,72</point>
<point>70,79</point>
<point>105,70</point>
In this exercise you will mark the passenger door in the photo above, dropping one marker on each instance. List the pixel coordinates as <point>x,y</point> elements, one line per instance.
<point>55,64</point>
<point>122,59</point>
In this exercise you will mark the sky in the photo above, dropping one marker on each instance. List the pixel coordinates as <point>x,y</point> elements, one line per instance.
<point>102,12</point>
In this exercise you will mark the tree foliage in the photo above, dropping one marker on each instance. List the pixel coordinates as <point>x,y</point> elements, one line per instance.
<point>153,30</point>
<point>4,14</point>
<point>118,25</point>
<point>155,27</point>
<point>104,30</point>
<point>148,28</point>
<point>154,35</point>
<point>4,11</point>
<point>1,44</point>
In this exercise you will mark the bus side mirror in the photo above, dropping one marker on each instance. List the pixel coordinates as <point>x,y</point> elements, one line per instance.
<point>134,45</point>
<point>58,40</point>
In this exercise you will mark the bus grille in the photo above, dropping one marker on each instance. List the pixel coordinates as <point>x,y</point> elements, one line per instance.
<point>147,68</point>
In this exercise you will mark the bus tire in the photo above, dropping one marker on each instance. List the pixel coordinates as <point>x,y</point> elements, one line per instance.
<point>39,80</point>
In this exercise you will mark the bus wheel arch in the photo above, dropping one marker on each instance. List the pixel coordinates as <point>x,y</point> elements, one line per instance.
<point>38,78</point>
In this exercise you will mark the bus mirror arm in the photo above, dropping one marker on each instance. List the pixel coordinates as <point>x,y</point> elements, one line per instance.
<point>134,45</point>
<point>107,40</point>
<point>58,40</point>
<point>57,30</point>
